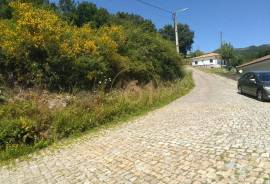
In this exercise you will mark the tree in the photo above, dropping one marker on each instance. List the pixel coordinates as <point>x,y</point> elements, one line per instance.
<point>196,53</point>
<point>68,9</point>
<point>39,48</point>
<point>38,2</point>
<point>228,54</point>
<point>5,10</point>
<point>89,13</point>
<point>127,19</point>
<point>185,36</point>
<point>102,17</point>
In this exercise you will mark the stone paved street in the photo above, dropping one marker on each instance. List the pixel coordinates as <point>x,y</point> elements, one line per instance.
<point>212,135</point>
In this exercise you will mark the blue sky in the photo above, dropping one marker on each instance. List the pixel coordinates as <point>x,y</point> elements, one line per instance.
<point>243,22</point>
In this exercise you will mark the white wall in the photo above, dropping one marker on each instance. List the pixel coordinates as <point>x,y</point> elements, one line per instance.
<point>206,62</point>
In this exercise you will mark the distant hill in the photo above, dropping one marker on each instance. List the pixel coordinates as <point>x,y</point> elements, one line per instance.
<point>253,52</point>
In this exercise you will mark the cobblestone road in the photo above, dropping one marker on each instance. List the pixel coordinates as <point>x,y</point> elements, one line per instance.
<point>212,135</point>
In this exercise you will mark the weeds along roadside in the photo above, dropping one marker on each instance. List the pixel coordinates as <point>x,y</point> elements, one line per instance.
<point>27,123</point>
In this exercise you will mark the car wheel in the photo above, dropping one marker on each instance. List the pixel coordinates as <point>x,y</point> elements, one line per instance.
<point>240,90</point>
<point>260,95</point>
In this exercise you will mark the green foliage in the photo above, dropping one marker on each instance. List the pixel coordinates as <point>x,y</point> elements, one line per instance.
<point>89,13</point>
<point>39,49</point>
<point>231,74</point>
<point>196,53</point>
<point>5,9</point>
<point>228,54</point>
<point>132,20</point>
<point>66,123</point>
<point>168,32</point>
<point>27,125</point>
<point>17,150</point>
<point>17,131</point>
<point>250,53</point>
<point>78,46</point>
<point>243,55</point>
<point>185,36</point>
<point>2,95</point>
<point>68,10</point>
<point>152,56</point>
<point>37,2</point>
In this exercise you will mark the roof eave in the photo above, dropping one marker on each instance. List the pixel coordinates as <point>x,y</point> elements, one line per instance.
<point>263,59</point>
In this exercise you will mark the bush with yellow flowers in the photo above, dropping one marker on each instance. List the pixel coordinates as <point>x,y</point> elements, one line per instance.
<point>39,48</point>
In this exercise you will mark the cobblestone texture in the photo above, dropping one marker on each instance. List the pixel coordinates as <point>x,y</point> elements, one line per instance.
<point>212,135</point>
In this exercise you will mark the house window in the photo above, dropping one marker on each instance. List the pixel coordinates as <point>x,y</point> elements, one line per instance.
<point>196,62</point>
<point>211,60</point>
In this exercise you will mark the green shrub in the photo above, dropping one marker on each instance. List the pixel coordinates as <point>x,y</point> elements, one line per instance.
<point>17,131</point>
<point>47,52</point>
<point>27,125</point>
<point>68,122</point>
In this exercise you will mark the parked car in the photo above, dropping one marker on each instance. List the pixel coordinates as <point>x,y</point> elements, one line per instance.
<point>256,84</point>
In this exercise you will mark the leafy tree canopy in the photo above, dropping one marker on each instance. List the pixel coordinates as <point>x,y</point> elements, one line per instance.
<point>185,36</point>
<point>196,53</point>
<point>40,48</point>
<point>228,54</point>
<point>252,52</point>
<point>126,19</point>
<point>5,9</point>
<point>89,13</point>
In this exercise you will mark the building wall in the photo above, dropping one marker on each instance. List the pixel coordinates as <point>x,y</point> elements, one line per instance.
<point>206,63</point>
<point>262,66</point>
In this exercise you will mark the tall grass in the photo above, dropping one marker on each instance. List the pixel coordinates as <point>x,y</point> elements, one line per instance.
<point>27,125</point>
<point>231,74</point>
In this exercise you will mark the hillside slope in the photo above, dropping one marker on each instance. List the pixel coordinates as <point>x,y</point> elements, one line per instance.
<point>250,53</point>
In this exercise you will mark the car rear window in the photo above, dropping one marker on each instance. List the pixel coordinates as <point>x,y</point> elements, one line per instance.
<point>264,77</point>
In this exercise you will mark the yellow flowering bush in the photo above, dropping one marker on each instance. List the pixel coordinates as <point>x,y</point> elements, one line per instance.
<point>110,39</point>
<point>41,41</point>
<point>8,37</point>
<point>42,28</point>
<point>80,41</point>
<point>39,48</point>
<point>37,26</point>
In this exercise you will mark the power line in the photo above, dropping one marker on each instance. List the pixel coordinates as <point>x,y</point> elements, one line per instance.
<point>154,6</point>
<point>174,19</point>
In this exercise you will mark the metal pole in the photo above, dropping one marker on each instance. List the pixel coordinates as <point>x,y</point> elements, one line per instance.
<point>221,39</point>
<point>221,44</point>
<point>176,33</point>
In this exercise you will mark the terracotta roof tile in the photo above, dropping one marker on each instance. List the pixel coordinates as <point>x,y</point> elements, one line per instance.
<point>207,56</point>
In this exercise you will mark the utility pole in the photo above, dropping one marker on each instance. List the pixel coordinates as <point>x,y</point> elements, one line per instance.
<point>221,44</point>
<point>174,14</point>
<point>174,19</point>
<point>176,32</point>
<point>221,39</point>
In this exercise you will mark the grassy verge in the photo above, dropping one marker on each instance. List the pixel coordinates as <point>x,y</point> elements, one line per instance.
<point>222,72</point>
<point>27,125</point>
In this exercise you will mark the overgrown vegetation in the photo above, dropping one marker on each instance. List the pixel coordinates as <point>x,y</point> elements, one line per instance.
<point>238,56</point>
<point>68,68</point>
<point>227,53</point>
<point>253,52</point>
<point>28,123</point>
<point>39,48</point>
<point>185,36</point>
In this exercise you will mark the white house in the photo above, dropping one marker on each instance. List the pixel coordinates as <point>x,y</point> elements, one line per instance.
<point>211,60</point>
<point>261,64</point>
